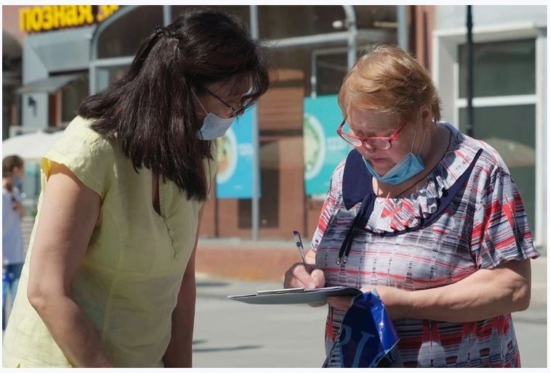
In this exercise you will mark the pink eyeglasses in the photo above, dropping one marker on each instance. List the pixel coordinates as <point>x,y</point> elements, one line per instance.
<point>383,143</point>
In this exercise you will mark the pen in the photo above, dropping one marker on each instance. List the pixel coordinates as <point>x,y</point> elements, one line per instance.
<point>300,246</point>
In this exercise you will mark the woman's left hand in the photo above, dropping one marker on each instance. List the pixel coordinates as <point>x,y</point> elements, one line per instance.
<point>395,300</point>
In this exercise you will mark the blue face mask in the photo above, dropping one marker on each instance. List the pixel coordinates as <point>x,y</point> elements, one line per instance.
<point>212,125</point>
<point>405,169</point>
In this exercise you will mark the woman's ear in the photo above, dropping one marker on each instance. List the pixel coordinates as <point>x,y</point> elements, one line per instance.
<point>426,115</point>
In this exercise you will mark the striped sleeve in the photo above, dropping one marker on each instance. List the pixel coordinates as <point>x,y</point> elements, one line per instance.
<point>329,206</point>
<point>501,231</point>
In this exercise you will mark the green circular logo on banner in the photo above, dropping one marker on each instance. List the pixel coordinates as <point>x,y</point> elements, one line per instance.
<point>227,156</point>
<point>314,146</point>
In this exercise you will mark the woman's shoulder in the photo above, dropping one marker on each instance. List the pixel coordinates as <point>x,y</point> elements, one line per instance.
<point>82,150</point>
<point>81,128</point>
<point>80,139</point>
<point>464,149</point>
<point>338,172</point>
<point>337,177</point>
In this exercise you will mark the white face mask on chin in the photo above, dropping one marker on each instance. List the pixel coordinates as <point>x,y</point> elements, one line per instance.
<point>212,125</point>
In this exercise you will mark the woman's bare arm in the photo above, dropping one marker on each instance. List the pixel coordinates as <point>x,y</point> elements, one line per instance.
<point>69,213</point>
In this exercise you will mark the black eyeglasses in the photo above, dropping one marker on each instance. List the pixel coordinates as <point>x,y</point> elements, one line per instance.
<point>234,111</point>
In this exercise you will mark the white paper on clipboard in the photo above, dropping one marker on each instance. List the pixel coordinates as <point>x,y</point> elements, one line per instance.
<point>295,295</point>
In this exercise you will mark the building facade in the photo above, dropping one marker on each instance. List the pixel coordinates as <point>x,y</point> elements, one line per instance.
<point>12,53</point>
<point>72,51</point>
<point>510,94</point>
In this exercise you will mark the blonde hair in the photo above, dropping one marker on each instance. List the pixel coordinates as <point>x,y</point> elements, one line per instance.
<point>388,79</point>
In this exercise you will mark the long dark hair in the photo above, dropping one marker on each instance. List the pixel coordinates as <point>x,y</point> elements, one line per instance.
<point>150,110</point>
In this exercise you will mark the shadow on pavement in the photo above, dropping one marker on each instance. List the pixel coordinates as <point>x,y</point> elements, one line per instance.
<point>211,283</point>
<point>236,348</point>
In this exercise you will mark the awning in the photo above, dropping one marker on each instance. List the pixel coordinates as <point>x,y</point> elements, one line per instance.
<point>63,50</point>
<point>48,85</point>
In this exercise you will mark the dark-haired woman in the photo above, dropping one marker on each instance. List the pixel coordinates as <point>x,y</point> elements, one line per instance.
<point>110,278</point>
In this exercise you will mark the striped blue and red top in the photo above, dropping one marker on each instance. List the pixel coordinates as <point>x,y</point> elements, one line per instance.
<point>484,226</point>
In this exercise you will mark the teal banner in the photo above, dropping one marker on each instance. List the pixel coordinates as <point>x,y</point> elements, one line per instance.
<point>235,159</point>
<point>323,148</point>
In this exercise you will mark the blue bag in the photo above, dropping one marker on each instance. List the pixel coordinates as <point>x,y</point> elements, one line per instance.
<point>368,338</point>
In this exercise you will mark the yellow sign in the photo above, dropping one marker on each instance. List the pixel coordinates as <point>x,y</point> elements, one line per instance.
<point>54,17</point>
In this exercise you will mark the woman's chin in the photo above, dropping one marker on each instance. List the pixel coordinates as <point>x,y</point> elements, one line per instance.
<point>380,170</point>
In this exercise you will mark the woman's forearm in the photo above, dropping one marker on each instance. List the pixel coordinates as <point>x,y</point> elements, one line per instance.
<point>482,295</point>
<point>180,350</point>
<point>72,330</point>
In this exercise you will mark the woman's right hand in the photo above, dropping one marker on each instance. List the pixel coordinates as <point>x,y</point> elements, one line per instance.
<point>300,276</point>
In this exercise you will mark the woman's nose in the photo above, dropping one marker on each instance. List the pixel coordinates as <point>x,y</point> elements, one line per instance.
<point>365,146</point>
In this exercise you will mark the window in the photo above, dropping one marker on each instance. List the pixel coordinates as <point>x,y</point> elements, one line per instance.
<point>511,131</point>
<point>241,11</point>
<point>72,96</point>
<point>279,22</point>
<point>330,67</point>
<point>123,37</point>
<point>502,68</point>
<point>505,107</point>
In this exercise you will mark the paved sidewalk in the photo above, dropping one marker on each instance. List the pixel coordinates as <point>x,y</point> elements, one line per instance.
<point>539,281</point>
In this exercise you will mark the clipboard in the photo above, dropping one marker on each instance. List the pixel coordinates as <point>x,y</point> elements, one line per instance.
<point>295,295</point>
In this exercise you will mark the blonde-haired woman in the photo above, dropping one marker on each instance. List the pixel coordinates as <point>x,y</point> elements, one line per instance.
<point>429,217</point>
